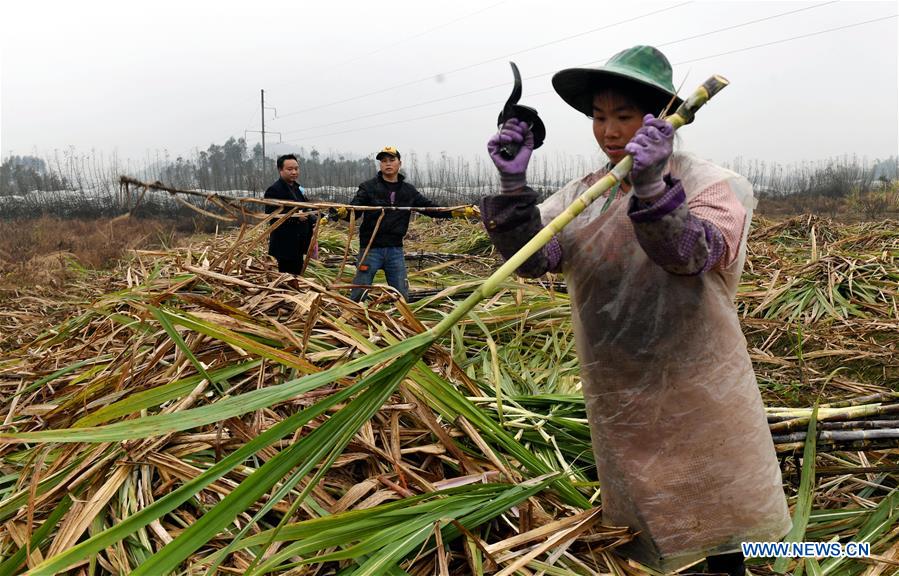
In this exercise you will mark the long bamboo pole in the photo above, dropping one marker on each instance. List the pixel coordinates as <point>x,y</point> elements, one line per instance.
<point>125,181</point>
<point>684,115</point>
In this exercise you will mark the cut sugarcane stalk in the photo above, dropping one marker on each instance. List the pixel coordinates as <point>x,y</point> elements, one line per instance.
<point>832,436</point>
<point>837,414</point>
<point>797,448</point>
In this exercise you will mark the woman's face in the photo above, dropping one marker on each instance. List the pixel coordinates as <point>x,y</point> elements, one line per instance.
<point>615,121</point>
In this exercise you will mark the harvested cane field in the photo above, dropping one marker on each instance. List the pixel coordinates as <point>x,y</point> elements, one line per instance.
<point>192,411</point>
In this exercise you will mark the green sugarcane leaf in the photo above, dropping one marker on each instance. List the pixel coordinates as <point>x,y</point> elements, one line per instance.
<point>237,339</point>
<point>13,502</point>
<point>806,492</point>
<point>389,556</point>
<point>446,399</point>
<point>398,549</point>
<point>61,372</point>
<point>339,529</point>
<point>187,490</point>
<point>341,535</point>
<point>880,521</point>
<point>334,434</point>
<point>10,566</point>
<point>138,401</point>
<point>179,341</point>
<point>375,542</point>
<point>375,528</point>
<point>346,523</point>
<point>288,485</point>
<point>223,409</point>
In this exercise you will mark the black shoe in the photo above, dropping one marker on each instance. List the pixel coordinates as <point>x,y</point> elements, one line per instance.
<point>727,564</point>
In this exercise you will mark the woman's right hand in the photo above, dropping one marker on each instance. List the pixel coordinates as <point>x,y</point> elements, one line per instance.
<point>514,131</point>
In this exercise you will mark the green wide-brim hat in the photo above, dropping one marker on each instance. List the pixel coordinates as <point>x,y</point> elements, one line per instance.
<point>641,71</point>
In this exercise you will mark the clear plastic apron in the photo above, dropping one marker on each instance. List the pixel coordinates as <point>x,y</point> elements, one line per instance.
<point>682,446</point>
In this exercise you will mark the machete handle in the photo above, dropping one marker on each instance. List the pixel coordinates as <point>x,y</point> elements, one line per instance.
<point>510,150</point>
<point>535,124</point>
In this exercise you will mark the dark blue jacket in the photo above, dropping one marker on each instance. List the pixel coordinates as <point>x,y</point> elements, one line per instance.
<point>290,240</point>
<point>395,223</point>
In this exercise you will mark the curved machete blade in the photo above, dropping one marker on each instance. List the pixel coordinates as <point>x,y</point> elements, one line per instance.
<point>514,96</point>
<point>525,113</point>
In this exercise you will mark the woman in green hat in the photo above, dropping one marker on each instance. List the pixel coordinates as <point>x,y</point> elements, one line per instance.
<point>683,452</point>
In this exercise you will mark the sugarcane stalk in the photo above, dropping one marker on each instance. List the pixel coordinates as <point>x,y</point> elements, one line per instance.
<point>860,425</point>
<point>798,447</point>
<point>840,435</point>
<point>869,399</point>
<point>840,470</point>
<point>684,115</point>
<point>850,413</point>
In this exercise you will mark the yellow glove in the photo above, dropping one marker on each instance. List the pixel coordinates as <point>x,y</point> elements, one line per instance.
<point>339,213</point>
<point>466,212</point>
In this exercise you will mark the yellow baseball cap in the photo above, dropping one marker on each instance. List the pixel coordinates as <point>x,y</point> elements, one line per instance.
<point>388,151</point>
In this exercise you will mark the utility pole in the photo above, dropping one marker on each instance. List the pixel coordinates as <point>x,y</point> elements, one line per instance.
<point>262,97</point>
<point>263,132</point>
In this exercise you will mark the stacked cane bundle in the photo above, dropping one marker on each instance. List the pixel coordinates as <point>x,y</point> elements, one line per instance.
<point>865,423</point>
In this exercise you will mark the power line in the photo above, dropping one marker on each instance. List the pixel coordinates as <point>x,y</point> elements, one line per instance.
<point>444,98</point>
<point>545,92</point>
<point>810,34</point>
<point>425,33</point>
<point>185,151</point>
<point>403,41</point>
<point>416,105</point>
<point>395,122</point>
<point>756,21</point>
<point>476,64</point>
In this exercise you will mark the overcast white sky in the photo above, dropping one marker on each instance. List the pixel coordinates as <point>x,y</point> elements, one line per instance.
<point>431,77</point>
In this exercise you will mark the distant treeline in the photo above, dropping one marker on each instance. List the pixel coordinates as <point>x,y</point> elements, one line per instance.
<point>87,183</point>
<point>844,185</point>
<point>834,177</point>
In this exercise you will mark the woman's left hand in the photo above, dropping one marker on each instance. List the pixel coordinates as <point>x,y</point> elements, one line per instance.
<point>650,147</point>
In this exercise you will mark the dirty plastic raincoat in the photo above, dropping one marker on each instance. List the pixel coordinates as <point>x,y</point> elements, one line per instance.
<point>682,446</point>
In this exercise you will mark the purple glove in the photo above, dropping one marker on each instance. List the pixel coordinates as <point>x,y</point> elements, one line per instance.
<point>512,172</point>
<point>651,146</point>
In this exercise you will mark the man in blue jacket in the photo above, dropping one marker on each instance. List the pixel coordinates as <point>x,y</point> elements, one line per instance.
<point>385,246</point>
<point>290,241</point>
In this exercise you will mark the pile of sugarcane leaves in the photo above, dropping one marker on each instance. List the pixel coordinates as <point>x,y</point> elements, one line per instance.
<point>195,412</point>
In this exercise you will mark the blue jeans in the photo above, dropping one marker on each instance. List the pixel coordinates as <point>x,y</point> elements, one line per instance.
<point>389,259</point>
